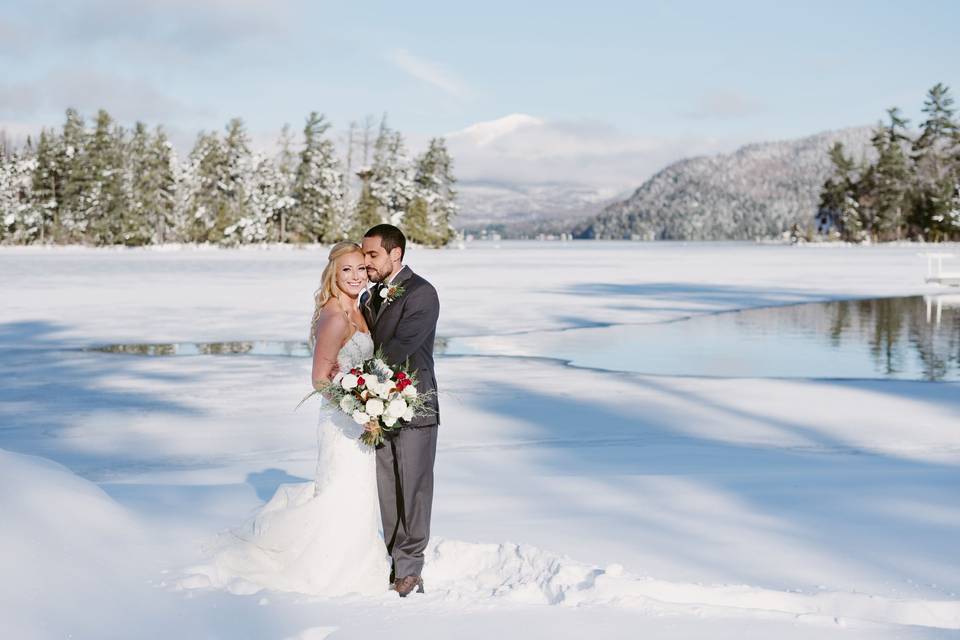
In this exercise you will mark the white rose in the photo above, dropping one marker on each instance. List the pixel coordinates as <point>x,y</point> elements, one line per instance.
<point>409,391</point>
<point>347,404</point>
<point>396,408</point>
<point>385,292</point>
<point>337,378</point>
<point>408,414</point>
<point>374,407</point>
<point>360,417</point>
<point>389,421</point>
<point>349,382</point>
<point>384,390</point>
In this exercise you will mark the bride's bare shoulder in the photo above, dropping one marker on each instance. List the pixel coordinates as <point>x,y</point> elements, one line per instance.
<point>332,318</point>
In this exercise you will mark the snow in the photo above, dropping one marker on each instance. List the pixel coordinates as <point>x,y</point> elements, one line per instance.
<point>568,501</point>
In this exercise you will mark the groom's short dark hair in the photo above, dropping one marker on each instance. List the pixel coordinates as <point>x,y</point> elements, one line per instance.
<point>390,237</point>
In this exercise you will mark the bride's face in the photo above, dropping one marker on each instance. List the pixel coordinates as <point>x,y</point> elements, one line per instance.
<point>351,274</point>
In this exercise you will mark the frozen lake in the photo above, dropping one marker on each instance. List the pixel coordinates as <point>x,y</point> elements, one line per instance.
<point>621,500</point>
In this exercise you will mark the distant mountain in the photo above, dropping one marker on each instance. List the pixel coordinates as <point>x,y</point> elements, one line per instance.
<point>758,191</point>
<point>520,208</point>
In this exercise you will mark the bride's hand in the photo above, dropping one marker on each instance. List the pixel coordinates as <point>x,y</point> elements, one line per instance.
<point>371,426</point>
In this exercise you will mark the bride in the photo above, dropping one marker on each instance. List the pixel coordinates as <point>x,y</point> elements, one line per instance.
<point>322,537</point>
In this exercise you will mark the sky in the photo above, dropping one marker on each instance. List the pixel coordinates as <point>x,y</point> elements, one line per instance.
<point>601,91</point>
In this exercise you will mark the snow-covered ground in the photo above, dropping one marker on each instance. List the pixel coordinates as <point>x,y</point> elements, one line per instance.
<point>569,502</point>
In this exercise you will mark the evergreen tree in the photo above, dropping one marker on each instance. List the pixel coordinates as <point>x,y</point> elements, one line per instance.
<point>839,199</point>
<point>16,173</point>
<point>936,153</point>
<point>391,175</point>
<point>286,166</point>
<point>890,178</point>
<point>209,201</point>
<point>70,216</point>
<point>267,200</point>
<point>368,211</point>
<point>106,202</point>
<point>47,185</point>
<point>161,186</point>
<point>151,211</point>
<point>318,215</point>
<point>428,219</point>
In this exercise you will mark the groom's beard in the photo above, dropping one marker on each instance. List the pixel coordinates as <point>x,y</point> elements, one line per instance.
<point>373,275</point>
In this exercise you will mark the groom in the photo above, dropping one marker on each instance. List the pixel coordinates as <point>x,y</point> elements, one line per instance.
<point>401,311</point>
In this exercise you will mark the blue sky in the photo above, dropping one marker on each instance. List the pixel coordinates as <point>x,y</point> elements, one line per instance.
<point>681,77</point>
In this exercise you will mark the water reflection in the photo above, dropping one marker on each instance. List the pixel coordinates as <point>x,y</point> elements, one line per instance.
<point>914,338</point>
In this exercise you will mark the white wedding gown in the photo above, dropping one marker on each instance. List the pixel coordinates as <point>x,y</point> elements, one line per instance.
<point>321,537</point>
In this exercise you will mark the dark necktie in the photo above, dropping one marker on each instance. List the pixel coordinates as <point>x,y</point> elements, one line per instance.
<point>377,300</point>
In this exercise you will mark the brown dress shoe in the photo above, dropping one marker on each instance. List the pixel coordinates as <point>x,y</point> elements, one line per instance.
<point>407,584</point>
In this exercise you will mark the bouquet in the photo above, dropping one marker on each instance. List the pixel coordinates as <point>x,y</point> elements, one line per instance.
<point>375,396</point>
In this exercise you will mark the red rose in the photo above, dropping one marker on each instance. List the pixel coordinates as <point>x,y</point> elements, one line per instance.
<point>401,376</point>
<point>361,381</point>
<point>355,372</point>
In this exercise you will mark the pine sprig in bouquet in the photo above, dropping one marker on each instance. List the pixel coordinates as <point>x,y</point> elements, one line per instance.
<point>375,396</point>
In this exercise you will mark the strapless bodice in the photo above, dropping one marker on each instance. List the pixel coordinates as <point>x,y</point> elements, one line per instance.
<point>357,349</point>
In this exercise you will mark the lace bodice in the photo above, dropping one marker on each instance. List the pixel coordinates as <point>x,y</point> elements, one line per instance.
<point>357,349</point>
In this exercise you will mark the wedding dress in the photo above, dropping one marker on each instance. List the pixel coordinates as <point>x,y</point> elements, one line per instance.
<point>321,537</point>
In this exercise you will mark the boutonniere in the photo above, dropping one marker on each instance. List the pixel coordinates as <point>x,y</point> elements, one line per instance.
<point>391,293</point>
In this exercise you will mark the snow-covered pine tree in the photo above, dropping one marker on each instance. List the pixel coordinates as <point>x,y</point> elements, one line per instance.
<point>429,216</point>
<point>267,198</point>
<point>16,211</point>
<point>391,175</point>
<point>890,178</point>
<point>287,170</point>
<point>70,218</point>
<point>839,201</point>
<point>318,215</point>
<point>106,203</point>
<point>28,215</point>
<point>158,186</point>
<point>41,224</point>
<point>209,202</point>
<point>936,153</point>
<point>368,211</point>
<point>239,166</point>
<point>185,192</point>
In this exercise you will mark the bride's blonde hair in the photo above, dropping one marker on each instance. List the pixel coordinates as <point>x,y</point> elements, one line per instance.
<point>328,288</point>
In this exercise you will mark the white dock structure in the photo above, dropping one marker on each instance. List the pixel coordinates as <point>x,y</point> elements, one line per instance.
<point>937,303</point>
<point>938,275</point>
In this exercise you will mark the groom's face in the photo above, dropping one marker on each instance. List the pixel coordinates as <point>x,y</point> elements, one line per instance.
<point>379,263</point>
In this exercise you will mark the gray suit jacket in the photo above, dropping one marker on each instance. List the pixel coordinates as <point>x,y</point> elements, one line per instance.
<point>405,330</point>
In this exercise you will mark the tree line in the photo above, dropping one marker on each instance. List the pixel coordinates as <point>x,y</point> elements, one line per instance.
<point>103,184</point>
<point>909,189</point>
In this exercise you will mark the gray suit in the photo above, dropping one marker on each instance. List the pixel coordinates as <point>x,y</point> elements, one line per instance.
<point>405,329</point>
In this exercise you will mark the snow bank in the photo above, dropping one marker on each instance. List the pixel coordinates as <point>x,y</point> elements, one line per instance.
<point>65,544</point>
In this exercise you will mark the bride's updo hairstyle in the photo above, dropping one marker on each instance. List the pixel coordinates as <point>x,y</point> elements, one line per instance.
<point>328,283</point>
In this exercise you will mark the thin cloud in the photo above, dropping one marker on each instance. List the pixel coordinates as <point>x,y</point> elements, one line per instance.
<point>726,104</point>
<point>126,99</point>
<point>522,150</point>
<point>429,72</point>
